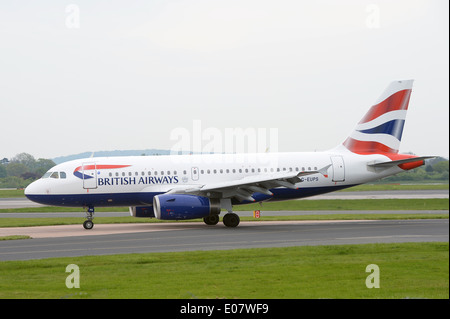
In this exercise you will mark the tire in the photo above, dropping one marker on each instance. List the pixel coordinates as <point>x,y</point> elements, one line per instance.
<point>211,220</point>
<point>231,220</point>
<point>88,224</point>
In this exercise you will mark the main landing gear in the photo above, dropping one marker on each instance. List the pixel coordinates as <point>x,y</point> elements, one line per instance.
<point>88,223</point>
<point>211,219</point>
<point>229,220</point>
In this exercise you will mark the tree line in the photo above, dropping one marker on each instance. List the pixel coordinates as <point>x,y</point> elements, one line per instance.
<point>435,170</point>
<point>22,169</point>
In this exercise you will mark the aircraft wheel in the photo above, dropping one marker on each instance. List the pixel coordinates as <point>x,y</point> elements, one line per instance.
<point>88,224</point>
<point>231,220</point>
<point>211,219</point>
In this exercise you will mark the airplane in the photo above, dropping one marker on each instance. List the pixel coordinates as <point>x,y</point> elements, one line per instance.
<point>181,187</point>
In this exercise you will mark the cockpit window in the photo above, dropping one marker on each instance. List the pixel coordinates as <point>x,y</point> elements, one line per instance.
<point>46,175</point>
<point>54,175</point>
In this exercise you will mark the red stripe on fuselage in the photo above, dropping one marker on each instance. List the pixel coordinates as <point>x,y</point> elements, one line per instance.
<point>89,167</point>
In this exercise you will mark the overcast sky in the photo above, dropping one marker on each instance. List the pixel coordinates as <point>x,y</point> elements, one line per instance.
<point>82,76</point>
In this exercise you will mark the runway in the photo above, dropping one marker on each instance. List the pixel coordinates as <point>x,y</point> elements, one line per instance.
<point>170,237</point>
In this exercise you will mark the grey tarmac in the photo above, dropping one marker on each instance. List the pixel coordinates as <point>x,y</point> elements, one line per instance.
<point>179,236</point>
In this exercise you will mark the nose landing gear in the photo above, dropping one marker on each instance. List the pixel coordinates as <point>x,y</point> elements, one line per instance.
<point>88,223</point>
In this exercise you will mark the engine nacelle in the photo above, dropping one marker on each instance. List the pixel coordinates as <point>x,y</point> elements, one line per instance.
<point>142,211</point>
<point>180,206</point>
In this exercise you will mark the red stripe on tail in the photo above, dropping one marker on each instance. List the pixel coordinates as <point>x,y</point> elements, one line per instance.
<point>396,102</point>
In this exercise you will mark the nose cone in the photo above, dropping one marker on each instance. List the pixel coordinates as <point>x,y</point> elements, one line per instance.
<point>33,191</point>
<point>30,189</point>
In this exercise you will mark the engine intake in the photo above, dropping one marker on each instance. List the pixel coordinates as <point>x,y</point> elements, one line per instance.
<point>180,206</point>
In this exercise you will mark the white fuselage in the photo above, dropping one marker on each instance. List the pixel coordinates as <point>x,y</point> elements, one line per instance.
<point>133,181</point>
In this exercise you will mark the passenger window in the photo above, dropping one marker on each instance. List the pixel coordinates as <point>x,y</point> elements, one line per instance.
<point>62,174</point>
<point>54,175</point>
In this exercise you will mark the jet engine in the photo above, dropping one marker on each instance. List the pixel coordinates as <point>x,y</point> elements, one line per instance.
<point>180,206</point>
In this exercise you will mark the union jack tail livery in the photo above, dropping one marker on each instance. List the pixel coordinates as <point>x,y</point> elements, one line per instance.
<point>380,130</point>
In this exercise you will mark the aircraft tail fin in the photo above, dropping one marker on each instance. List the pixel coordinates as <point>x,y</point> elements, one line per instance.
<point>380,130</point>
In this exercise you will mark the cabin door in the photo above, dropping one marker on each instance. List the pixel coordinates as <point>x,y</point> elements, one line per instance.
<point>338,168</point>
<point>89,171</point>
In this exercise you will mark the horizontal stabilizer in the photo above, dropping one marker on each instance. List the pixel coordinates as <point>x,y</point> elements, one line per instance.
<point>399,162</point>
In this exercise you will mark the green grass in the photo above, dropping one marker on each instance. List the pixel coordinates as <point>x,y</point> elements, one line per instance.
<point>14,237</point>
<point>404,187</point>
<point>11,193</point>
<point>410,270</point>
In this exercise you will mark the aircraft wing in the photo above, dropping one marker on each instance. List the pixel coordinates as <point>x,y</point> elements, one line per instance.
<point>242,189</point>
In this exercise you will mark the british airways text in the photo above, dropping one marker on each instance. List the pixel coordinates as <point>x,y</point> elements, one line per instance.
<point>111,181</point>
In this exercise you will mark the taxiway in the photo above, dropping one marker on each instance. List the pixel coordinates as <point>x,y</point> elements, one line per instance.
<point>178,236</point>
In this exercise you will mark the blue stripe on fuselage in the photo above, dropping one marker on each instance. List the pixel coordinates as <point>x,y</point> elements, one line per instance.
<point>138,199</point>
